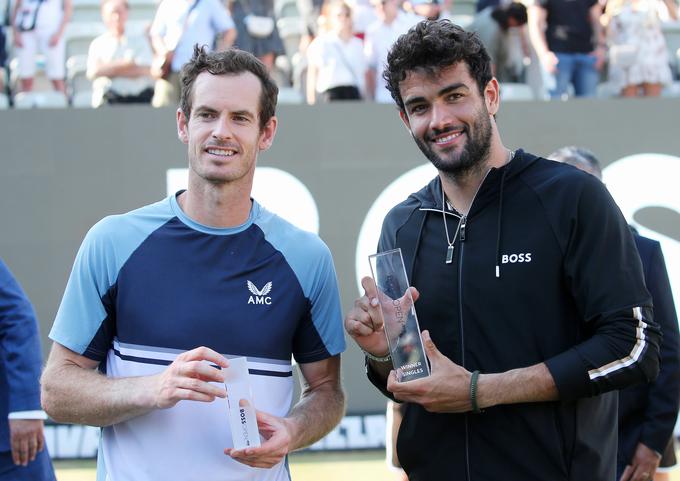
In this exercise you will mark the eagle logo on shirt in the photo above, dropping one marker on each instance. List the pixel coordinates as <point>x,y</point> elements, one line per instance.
<point>259,296</point>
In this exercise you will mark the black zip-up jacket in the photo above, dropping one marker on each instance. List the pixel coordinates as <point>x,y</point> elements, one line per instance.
<point>544,270</point>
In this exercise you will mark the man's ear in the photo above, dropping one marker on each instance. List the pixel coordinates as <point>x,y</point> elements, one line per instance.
<point>182,128</point>
<point>492,96</point>
<point>267,134</point>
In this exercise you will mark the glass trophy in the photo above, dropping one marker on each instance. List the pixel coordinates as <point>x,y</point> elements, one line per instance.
<point>399,315</point>
<point>242,417</point>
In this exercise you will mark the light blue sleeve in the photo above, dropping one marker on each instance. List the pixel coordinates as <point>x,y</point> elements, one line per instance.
<point>95,270</point>
<point>312,263</point>
<point>104,251</point>
<point>325,298</point>
<point>221,19</point>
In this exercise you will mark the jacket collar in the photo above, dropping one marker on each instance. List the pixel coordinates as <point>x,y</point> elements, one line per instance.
<point>430,196</point>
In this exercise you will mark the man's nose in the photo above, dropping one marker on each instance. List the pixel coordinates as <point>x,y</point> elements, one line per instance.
<point>441,116</point>
<point>221,129</point>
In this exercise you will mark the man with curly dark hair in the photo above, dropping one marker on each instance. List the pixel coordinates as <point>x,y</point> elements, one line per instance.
<point>527,280</point>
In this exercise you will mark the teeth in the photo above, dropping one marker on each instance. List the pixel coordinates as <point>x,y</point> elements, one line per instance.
<point>226,153</point>
<point>448,138</point>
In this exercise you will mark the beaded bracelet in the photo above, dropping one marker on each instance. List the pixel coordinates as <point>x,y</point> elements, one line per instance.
<point>473,392</point>
<point>386,358</point>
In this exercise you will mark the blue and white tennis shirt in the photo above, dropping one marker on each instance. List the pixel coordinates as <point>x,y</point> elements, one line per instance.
<point>152,283</point>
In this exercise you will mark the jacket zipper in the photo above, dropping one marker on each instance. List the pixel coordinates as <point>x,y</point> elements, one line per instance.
<point>462,339</point>
<point>463,225</point>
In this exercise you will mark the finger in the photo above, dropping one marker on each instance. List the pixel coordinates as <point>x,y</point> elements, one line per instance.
<point>183,394</point>
<point>365,314</point>
<point>253,457</point>
<point>356,328</point>
<point>264,418</point>
<point>261,457</point>
<point>41,440</point>
<point>627,473</point>
<point>393,385</point>
<point>370,290</point>
<point>641,474</point>
<point>23,451</point>
<point>431,350</point>
<point>202,387</point>
<point>414,293</point>
<point>371,303</point>
<point>32,449</point>
<point>200,370</point>
<point>205,354</point>
<point>16,459</point>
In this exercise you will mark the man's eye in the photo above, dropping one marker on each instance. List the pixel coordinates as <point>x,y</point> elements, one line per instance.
<point>418,109</point>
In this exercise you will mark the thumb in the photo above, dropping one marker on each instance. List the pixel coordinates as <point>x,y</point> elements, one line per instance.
<point>414,293</point>
<point>431,350</point>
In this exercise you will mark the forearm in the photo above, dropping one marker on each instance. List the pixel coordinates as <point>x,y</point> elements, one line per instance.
<point>158,45</point>
<point>598,29</point>
<point>72,394</point>
<point>537,30</point>
<point>370,83</point>
<point>529,384</point>
<point>120,68</point>
<point>316,414</point>
<point>311,84</point>
<point>66,17</point>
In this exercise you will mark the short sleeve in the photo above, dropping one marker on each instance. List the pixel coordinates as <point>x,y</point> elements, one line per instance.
<point>85,309</point>
<point>325,312</point>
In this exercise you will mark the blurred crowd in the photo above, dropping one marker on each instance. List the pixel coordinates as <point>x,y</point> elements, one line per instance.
<point>90,53</point>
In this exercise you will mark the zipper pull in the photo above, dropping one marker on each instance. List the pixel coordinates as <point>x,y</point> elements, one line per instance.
<point>463,221</point>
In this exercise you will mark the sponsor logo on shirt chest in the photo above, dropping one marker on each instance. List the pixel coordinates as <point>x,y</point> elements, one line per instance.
<point>259,296</point>
<point>523,257</point>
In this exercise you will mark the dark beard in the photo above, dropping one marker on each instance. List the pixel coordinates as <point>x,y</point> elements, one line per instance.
<point>473,155</point>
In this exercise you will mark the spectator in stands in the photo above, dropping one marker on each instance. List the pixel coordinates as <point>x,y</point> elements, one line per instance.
<point>176,28</point>
<point>428,9</point>
<point>569,43</point>
<point>391,23</point>
<point>264,43</point>
<point>482,4</point>
<point>23,456</point>
<point>3,56</point>
<point>493,26</point>
<point>336,66</point>
<point>38,27</point>
<point>363,15</point>
<point>118,64</point>
<point>638,56</point>
<point>647,413</point>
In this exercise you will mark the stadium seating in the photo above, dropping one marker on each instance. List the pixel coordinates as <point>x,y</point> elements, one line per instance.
<point>79,35</point>
<point>82,99</point>
<point>76,75</point>
<point>46,100</point>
